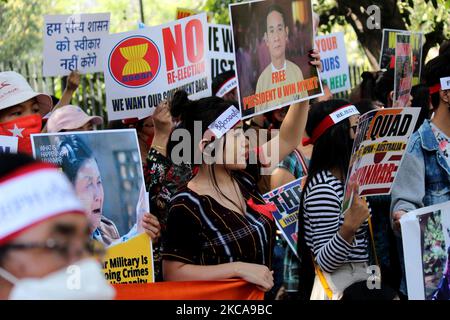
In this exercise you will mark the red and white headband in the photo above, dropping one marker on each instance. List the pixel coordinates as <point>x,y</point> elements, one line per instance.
<point>229,85</point>
<point>33,194</point>
<point>225,122</point>
<point>443,85</point>
<point>337,116</point>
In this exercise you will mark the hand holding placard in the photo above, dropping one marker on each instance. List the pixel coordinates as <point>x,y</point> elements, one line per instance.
<point>355,216</point>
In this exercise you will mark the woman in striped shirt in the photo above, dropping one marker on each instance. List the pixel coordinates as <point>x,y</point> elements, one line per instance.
<point>338,242</point>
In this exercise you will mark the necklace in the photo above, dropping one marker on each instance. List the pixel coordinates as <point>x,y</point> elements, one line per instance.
<point>240,197</point>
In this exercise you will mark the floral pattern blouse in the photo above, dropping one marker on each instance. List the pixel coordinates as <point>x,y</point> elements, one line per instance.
<point>443,141</point>
<point>163,179</point>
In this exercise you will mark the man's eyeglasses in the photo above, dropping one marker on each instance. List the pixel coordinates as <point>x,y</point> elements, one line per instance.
<point>93,247</point>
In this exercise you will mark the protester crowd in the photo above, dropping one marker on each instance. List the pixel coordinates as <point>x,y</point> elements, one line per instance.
<point>208,220</point>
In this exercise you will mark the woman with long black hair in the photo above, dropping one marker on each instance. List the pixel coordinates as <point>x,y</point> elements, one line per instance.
<point>219,226</point>
<point>338,243</point>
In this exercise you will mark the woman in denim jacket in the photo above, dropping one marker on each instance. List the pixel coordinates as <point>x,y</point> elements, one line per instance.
<point>423,178</point>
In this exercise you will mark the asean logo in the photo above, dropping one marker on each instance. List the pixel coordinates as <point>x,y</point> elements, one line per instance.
<point>134,62</point>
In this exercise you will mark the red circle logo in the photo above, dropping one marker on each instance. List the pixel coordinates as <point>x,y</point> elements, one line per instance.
<point>134,62</point>
<point>379,156</point>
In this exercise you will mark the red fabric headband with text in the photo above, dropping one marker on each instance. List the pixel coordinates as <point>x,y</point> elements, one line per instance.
<point>337,116</point>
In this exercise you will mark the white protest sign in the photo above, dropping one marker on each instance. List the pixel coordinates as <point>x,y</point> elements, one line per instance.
<point>220,46</point>
<point>426,247</point>
<point>74,42</point>
<point>380,143</point>
<point>145,66</point>
<point>221,49</point>
<point>8,144</point>
<point>445,83</point>
<point>334,61</point>
<point>185,12</point>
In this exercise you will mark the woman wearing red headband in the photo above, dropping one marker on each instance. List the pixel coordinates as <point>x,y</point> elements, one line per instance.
<point>338,242</point>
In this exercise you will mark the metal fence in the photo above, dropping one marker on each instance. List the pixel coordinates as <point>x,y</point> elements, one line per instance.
<point>91,93</point>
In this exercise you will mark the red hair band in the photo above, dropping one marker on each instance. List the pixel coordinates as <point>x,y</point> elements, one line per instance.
<point>435,88</point>
<point>330,120</point>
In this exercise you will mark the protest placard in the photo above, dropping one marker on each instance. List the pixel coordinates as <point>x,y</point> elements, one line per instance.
<point>272,43</point>
<point>130,262</point>
<point>146,66</point>
<point>220,43</point>
<point>333,55</point>
<point>387,56</point>
<point>74,42</point>
<point>445,83</point>
<point>426,249</point>
<point>381,139</point>
<point>104,152</point>
<point>106,170</point>
<point>8,144</point>
<point>287,201</point>
<point>403,71</point>
<point>184,12</point>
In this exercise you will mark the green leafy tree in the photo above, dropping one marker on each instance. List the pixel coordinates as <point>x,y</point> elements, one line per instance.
<point>429,16</point>
<point>20,29</point>
<point>21,21</point>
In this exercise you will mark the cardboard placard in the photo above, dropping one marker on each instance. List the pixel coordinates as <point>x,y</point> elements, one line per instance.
<point>106,170</point>
<point>403,71</point>
<point>272,43</point>
<point>426,249</point>
<point>146,66</point>
<point>287,200</point>
<point>74,42</point>
<point>380,142</point>
<point>335,73</point>
<point>387,56</point>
